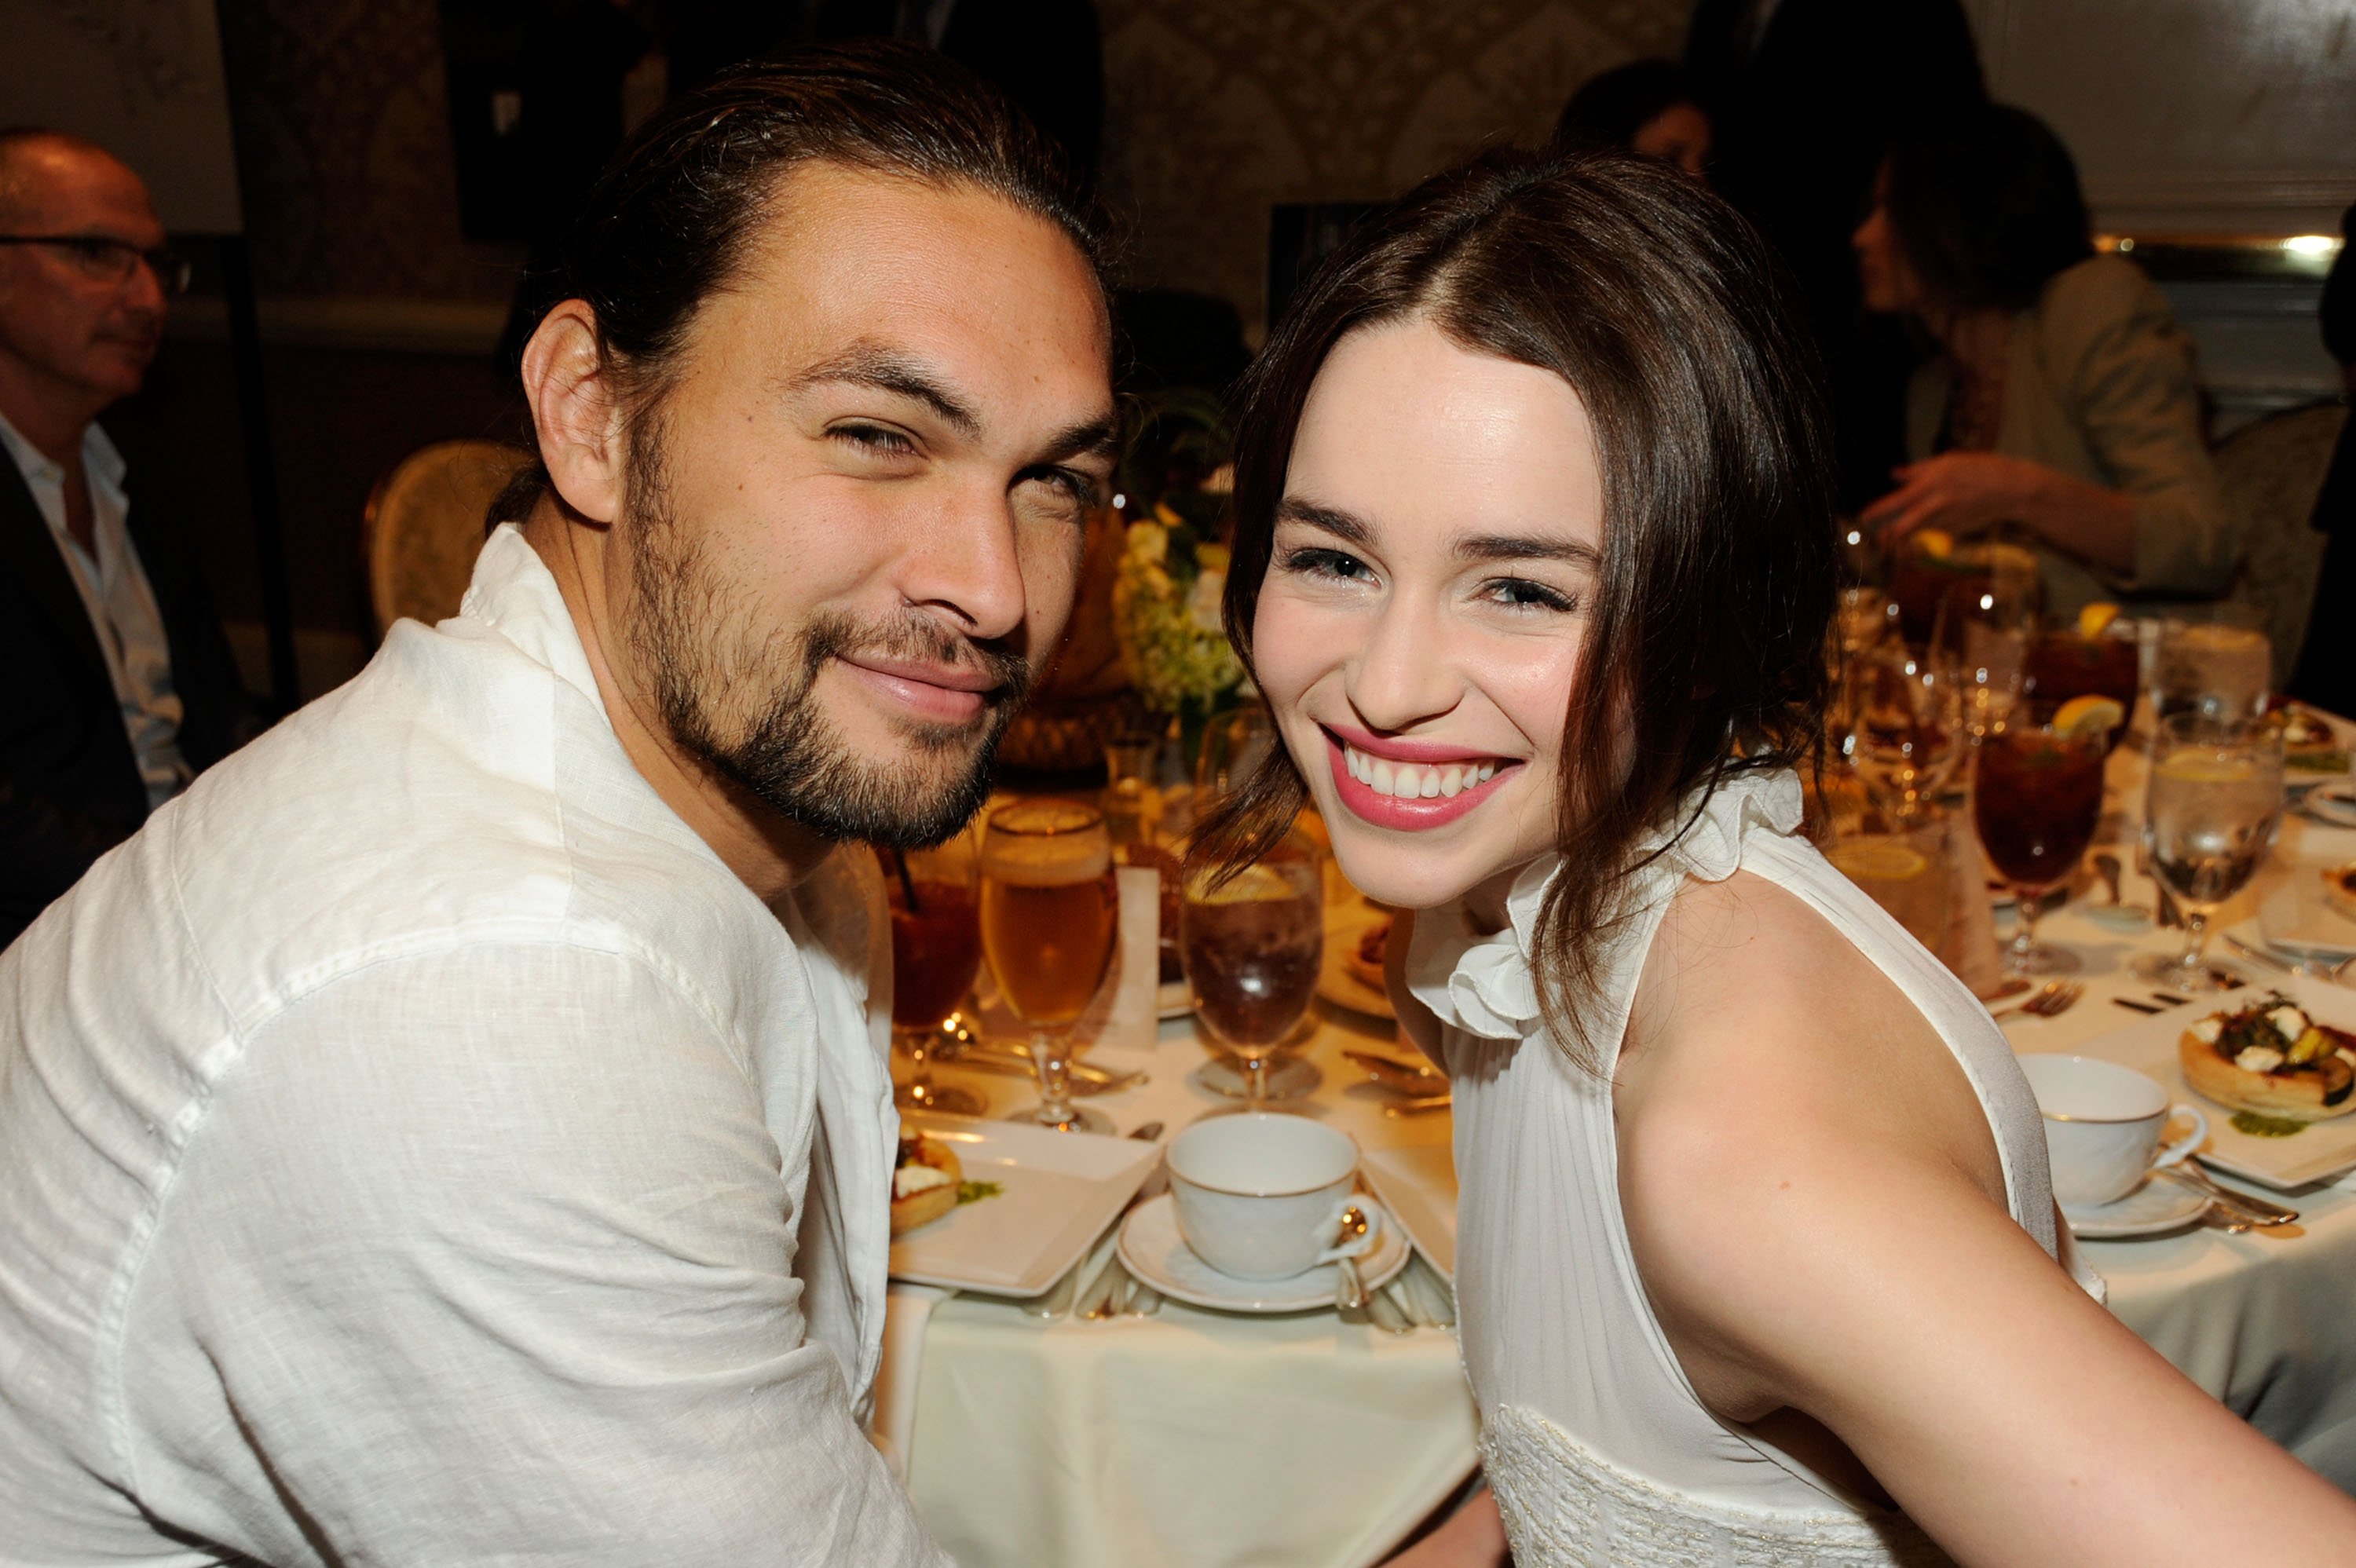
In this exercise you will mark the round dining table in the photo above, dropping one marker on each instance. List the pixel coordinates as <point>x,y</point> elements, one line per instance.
<point>1195,1438</point>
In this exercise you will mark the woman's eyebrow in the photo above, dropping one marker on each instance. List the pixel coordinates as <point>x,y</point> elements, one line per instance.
<point>1344,526</point>
<point>1515,546</point>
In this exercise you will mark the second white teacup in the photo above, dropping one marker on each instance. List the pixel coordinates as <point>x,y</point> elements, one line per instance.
<point>2103,1124</point>
<point>1261,1196</point>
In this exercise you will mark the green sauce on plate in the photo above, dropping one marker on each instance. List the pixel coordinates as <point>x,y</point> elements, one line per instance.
<point>2259,1127</point>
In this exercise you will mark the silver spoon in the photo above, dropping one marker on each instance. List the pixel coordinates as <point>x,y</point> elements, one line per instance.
<point>1350,1287</point>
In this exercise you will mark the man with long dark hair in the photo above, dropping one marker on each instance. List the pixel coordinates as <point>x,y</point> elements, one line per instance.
<point>452,1132</point>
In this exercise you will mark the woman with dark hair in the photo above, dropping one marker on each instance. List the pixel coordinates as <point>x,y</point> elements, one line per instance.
<point>1534,564</point>
<point>2061,400</point>
<point>1646,106</point>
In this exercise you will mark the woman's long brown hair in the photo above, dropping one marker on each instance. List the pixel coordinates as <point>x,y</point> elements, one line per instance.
<point>1704,647</point>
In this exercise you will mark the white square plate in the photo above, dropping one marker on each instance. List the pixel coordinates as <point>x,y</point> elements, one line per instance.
<point>1418,1185</point>
<point>2324,1149</point>
<point>1060,1191</point>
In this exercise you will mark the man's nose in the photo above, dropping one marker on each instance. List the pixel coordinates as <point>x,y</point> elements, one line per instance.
<point>1404,672</point>
<point>968,562</point>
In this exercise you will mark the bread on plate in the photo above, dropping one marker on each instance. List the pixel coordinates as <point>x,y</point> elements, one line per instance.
<point>923,1182</point>
<point>2272,1059</point>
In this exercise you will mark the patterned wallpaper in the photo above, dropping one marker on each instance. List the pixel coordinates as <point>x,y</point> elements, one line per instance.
<point>1216,108</point>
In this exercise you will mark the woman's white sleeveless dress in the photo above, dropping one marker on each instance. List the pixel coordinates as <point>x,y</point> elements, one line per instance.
<point>1597,1449</point>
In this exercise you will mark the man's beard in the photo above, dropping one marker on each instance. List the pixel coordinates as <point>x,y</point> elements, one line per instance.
<point>744,699</point>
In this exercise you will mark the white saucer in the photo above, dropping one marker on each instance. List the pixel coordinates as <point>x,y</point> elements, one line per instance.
<point>2158,1204</point>
<point>1156,1253</point>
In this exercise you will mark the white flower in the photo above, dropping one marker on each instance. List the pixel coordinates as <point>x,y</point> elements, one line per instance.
<point>1203,600</point>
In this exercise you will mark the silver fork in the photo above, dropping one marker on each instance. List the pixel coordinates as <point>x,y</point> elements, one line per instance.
<point>2049,1001</point>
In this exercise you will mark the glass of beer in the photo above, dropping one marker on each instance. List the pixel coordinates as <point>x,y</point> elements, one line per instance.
<point>1254,943</point>
<point>1049,919</point>
<point>936,953</point>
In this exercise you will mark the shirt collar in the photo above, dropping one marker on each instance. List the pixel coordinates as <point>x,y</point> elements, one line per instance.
<point>101,457</point>
<point>513,591</point>
<point>1485,982</point>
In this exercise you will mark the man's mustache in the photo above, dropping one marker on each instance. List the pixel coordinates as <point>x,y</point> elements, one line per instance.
<point>922,642</point>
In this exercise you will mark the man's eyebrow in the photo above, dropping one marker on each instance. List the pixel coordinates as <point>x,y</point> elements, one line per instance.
<point>889,370</point>
<point>1516,547</point>
<point>1341,525</point>
<point>1099,437</point>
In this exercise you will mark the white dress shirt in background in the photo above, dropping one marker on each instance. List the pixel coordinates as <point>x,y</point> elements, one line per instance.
<point>121,607</point>
<point>417,1147</point>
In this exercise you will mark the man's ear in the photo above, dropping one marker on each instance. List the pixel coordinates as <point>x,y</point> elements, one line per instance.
<point>576,411</point>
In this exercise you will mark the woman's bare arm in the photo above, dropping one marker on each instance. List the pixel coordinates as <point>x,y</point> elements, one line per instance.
<point>1813,1219</point>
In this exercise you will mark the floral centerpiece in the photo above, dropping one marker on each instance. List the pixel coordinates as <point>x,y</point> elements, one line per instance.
<point>1165,616</point>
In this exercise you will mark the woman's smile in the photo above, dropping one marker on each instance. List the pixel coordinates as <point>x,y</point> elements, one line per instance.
<point>1410,784</point>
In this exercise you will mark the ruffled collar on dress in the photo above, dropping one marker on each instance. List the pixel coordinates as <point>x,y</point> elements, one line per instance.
<point>1483,982</point>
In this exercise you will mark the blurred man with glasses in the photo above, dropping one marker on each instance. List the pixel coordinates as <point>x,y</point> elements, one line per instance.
<point>116,685</point>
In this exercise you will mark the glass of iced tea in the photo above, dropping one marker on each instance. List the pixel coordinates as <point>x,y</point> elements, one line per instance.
<point>1049,916</point>
<point>2066,661</point>
<point>936,953</point>
<point>1254,943</point>
<point>2216,797</point>
<point>2035,801</point>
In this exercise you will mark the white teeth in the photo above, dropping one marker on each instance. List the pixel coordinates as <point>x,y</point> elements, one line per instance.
<point>1406,781</point>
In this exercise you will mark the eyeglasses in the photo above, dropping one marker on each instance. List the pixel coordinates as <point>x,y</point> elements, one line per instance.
<point>111,260</point>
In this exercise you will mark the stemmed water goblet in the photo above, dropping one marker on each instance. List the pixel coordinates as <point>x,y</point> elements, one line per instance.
<point>1254,943</point>
<point>1050,916</point>
<point>1980,640</point>
<point>2215,800</point>
<point>2036,796</point>
<point>936,953</point>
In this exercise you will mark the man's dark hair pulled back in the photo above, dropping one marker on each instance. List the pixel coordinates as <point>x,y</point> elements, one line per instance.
<point>670,220</point>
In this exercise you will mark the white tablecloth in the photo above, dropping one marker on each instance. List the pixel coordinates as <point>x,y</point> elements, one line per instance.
<point>1201,1438</point>
<point>1194,1439</point>
<point>2265,1321</point>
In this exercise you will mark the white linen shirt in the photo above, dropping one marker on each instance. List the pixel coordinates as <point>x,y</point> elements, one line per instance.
<point>416,1148</point>
<point>116,597</point>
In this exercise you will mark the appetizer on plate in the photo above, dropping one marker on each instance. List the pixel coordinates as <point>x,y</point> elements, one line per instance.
<point>2310,747</point>
<point>925,1182</point>
<point>2270,1059</point>
<point>2339,889</point>
<point>1366,960</point>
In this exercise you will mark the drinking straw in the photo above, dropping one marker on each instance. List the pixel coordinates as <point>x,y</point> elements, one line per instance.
<point>907,883</point>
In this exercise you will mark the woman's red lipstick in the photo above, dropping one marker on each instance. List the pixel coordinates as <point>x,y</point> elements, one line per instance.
<point>1419,811</point>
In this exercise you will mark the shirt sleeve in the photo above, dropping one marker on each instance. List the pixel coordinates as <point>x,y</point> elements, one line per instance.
<point>2129,369</point>
<point>486,1256</point>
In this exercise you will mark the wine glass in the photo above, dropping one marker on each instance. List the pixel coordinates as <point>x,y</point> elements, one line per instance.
<point>1049,916</point>
<point>1980,640</point>
<point>2216,659</point>
<point>1905,731</point>
<point>2036,798</point>
<point>936,953</point>
<point>2214,802</point>
<point>1254,943</point>
<point>1233,745</point>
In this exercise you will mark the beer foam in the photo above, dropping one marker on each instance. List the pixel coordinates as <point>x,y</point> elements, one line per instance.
<point>1050,861</point>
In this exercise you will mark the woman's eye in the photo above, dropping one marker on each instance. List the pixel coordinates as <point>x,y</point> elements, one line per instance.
<point>1330,563</point>
<point>1520,593</point>
<point>873,439</point>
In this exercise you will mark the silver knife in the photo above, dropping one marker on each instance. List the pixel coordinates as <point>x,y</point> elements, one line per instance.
<point>2257,1211</point>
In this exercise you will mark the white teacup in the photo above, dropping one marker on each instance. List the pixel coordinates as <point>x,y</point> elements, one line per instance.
<point>2103,1124</point>
<point>1261,1196</point>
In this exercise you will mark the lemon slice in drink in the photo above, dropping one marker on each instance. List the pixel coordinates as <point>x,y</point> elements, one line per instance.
<point>1937,543</point>
<point>1879,863</point>
<point>1253,884</point>
<point>2095,619</point>
<point>2089,718</point>
<point>2204,767</point>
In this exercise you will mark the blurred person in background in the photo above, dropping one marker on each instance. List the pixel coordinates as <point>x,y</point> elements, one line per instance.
<point>2326,672</point>
<point>2060,402</point>
<point>1805,97</point>
<point>1646,106</point>
<point>116,684</point>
